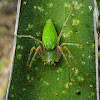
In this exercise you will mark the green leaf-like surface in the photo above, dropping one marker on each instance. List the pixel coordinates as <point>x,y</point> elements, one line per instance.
<point>45,82</point>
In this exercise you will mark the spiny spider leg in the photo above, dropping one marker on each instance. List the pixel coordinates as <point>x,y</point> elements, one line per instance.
<point>41,53</point>
<point>64,44</point>
<point>58,53</point>
<point>33,58</point>
<point>29,36</point>
<point>64,25</point>
<point>65,48</point>
<point>31,51</point>
<point>65,60</point>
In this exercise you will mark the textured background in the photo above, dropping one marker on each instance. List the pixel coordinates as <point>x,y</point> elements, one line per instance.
<point>7,24</point>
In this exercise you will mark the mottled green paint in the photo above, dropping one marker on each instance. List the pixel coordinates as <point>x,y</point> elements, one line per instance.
<point>49,36</point>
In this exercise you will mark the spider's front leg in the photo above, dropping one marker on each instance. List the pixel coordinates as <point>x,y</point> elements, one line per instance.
<point>64,25</point>
<point>32,37</point>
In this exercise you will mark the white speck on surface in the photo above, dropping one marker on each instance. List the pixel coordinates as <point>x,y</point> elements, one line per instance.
<point>12,95</point>
<point>57,78</point>
<point>69,56</point>
<point>28,77</point>
<point>38,33</point>
<point>90,8</point>
<point>65,35</point>
<point>77,5</point>
<point>75,22</point>
<point>25,2</point>
<point>20,47</point>
<point>41,9</point>
<point>59,70</point>
<point>19,56</point>
<point>32,78</point>
<point>83,62</point>
<point>30,26</point>
<point>89,57</point>
<point>73,14</point>
<point>24,89</point>
<point>80,78</point>
<point>50,5</point>
<point>68,84</point>
<point>81,12</point>
<point>45,83</point>
<point>83,55</point>
<point>34,7</point>
<point>67,5</point>
<point>36,68</point>
<point>63,92</point>
<point>37,43</point>
<point>46,13</point>
<point>76,71</point>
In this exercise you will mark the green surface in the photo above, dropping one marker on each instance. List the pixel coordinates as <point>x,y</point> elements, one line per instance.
<point>49,82</point>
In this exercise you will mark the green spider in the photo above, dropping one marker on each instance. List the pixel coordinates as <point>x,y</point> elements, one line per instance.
<point>51,51</point>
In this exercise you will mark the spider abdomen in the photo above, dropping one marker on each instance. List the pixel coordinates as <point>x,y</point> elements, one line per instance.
<point>49,36</point>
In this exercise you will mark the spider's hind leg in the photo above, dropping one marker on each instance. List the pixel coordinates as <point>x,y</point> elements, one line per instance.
<point>65,48</point>
<point>61,50</point>
<point>33,58</point>
<point>31,51</point>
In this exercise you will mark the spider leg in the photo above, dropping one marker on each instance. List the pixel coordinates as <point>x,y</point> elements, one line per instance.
<point>33,58</point>
<point>41,53</point>
<point>31,51</point>
<point>65,23</point>
<point>73,44</point>
<point>65,48</point>
<point>61,50</point>
<point>58,54</point>
<point>29,36</point>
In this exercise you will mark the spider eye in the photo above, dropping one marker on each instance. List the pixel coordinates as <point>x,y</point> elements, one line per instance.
<point>49,61</point>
